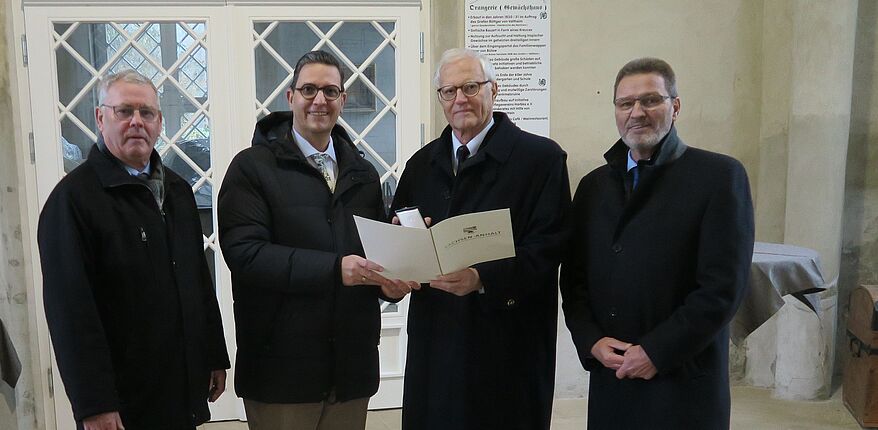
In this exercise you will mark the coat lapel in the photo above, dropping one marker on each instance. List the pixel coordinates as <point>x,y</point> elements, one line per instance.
<point>670,149</point>
<point>440,155</point>
<point>475,180</point>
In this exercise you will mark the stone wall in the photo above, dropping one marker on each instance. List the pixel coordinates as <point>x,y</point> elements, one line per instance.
<point>17,407</point>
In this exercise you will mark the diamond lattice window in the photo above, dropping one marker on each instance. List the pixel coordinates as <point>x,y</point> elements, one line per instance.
<point>173,54</point>
<point>368,53</point>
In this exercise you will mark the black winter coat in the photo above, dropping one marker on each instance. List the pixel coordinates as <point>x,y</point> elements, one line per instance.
<point>129,299</point>
<point>665,269</point>
<point>487,361</point>
<point>300,332</point>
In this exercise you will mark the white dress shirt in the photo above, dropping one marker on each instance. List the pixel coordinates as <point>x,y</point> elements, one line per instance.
<point>473,145</point>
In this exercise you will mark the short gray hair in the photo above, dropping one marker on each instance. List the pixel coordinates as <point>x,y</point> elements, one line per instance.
<point>648,65</point>
<point>130,76</point>
<point>455,54</point>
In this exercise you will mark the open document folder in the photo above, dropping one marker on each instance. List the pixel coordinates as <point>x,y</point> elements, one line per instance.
<point>423,254</point>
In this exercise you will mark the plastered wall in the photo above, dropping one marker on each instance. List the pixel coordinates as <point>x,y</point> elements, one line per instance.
<point>859,261</point>
<point>714,47</point>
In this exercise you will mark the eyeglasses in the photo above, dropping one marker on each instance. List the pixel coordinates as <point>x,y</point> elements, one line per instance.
<point>330,92</point>
<point>125,112</point>
<point>470,89</point>
<point>649,101</point>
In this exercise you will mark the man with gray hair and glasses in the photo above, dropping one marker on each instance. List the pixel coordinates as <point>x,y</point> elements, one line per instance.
<point>481,347</point>
<point>129,299</point>
<point>658,263</point>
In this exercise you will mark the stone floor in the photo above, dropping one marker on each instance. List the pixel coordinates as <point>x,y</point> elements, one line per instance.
<point>752,408</point>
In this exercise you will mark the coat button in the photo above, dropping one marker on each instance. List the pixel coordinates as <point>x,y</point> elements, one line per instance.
<point>617,248</point>
<point>329,220</point>
<point>510,302</point>
<point>613,312</point>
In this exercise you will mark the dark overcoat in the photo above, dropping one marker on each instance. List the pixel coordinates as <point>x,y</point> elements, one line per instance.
<point>665,268</point>
<point>300,332</point>
<point>487,360</point>
<point>129,299</point>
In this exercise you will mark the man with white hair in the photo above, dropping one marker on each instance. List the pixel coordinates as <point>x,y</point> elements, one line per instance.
<point>481,347</point>
<point>129,301</point>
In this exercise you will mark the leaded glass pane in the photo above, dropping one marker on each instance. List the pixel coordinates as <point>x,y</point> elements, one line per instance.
<point>369,110</point>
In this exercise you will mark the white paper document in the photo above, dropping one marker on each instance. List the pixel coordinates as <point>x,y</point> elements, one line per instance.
<point>423,254</point>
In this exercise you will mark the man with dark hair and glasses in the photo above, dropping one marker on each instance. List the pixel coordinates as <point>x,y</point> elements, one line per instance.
<point>657,265</point>
<point>129,299</point>
<point>306,300</point>
<point>481,347</point>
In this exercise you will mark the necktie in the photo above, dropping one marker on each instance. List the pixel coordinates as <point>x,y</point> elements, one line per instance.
<point>323,166</point>
<point>462,155</point>
<point>636,171</point>
<point>154,186</point>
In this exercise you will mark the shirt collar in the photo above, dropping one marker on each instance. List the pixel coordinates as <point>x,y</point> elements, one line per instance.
<point>308,150</point>
<point>631,163</point>
<point>134,172</point>
<point>474,143</point>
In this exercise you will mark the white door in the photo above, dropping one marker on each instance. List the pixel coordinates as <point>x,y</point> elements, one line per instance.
<point>219,69</point>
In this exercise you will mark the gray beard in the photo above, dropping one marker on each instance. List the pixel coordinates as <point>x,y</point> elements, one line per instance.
<point>643,145</point>
<point>647,144</point>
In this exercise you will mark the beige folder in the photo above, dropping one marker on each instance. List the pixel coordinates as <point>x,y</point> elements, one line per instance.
<point>423,254</point>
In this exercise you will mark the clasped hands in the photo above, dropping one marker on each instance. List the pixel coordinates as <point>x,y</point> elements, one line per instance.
<point>628,360</point>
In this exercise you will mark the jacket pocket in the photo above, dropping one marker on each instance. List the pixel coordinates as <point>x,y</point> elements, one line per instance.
<point>695,368</point>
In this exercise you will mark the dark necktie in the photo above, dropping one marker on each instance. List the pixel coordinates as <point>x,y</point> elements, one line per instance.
<point>462,155</point>
<point>636,173</point>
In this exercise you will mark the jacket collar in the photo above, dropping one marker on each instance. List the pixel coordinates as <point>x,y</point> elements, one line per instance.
<point>109,169</point>
<point>498,145</point>
<point>275,133</point>
<point>669,149</point>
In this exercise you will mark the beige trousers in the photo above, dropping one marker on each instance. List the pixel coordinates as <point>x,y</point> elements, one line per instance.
<point>350,415</point>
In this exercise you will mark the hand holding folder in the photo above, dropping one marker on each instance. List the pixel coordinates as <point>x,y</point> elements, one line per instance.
<point>451,245</point>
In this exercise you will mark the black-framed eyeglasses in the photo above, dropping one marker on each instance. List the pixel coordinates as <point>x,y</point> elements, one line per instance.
<point>470,89</point>
<point>125,112</point>
<point>649,101</point>
<point>330,92</point>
